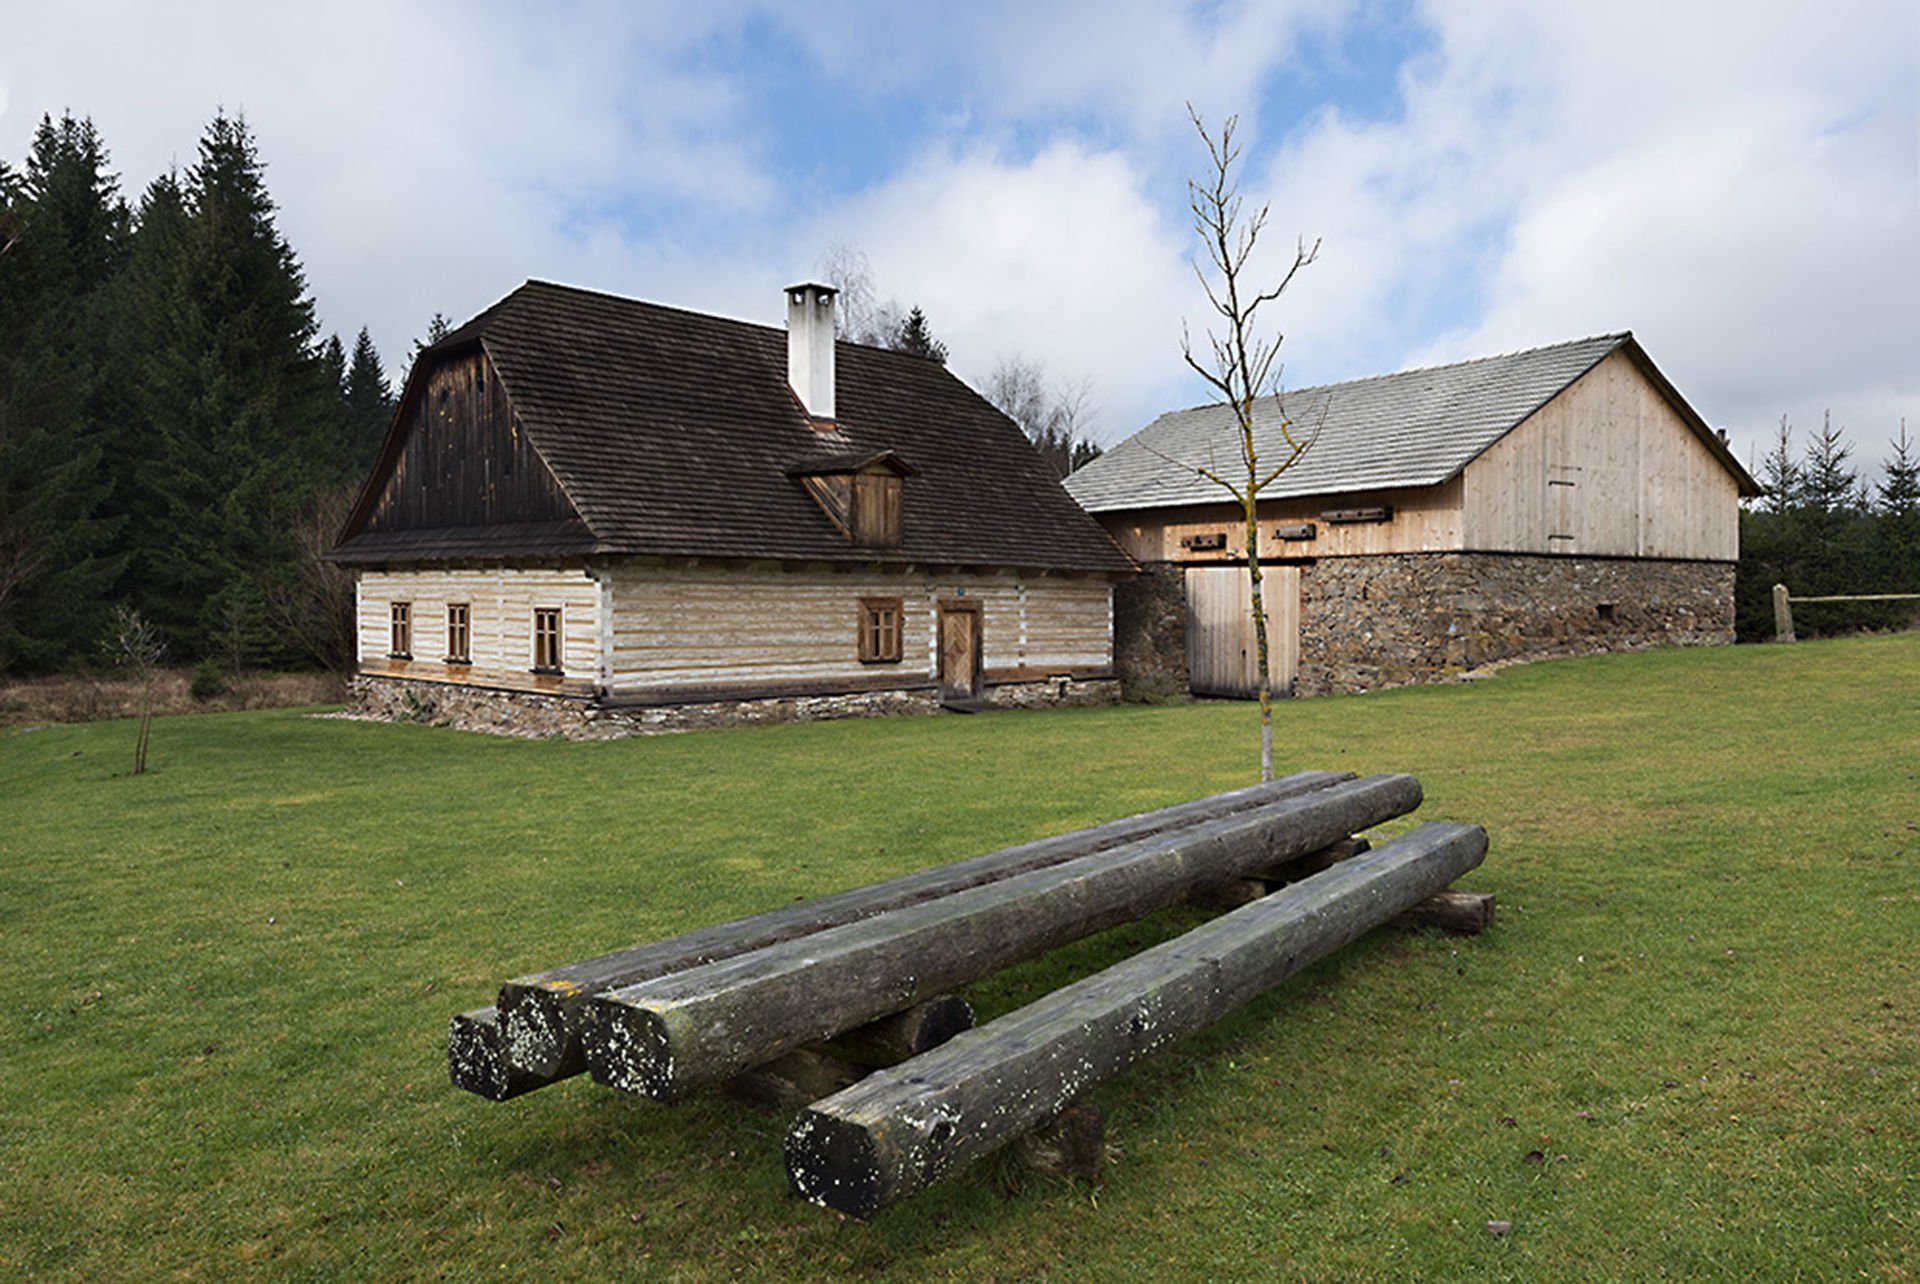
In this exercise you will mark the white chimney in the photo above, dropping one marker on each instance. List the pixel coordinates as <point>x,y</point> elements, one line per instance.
<point>810,347</point>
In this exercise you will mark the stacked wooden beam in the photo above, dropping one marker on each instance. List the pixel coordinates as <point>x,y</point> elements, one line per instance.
<point>530,1037</point>
<point>803,1003</point>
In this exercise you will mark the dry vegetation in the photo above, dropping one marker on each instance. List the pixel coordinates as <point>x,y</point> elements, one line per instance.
<point>97,697</point>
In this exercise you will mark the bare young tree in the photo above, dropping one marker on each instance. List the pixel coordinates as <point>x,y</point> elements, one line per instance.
<point>858,316</point>
<point>1240,364</point>
<point>313,606</point>
<point>1054,416</point>
<point>137,648</point>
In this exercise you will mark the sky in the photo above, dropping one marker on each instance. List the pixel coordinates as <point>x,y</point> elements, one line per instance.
<point>1738,184</point>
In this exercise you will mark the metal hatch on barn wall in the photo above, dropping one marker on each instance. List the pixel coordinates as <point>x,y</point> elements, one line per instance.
<point>1222,650</point>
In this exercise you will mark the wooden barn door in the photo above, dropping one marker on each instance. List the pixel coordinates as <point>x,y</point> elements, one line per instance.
<point>959,651</point>
<point>1222,652</point>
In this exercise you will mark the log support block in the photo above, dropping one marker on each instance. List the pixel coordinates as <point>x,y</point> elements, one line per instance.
<point>1461,913</point>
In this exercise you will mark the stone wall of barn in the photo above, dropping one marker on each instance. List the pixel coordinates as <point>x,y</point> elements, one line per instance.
<point>1150,632</point>
<point>1373,622</point>
<point>1368,623</point>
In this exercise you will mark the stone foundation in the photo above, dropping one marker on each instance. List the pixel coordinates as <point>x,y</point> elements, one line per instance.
<point>1372,622</point>
<point>525,713</point>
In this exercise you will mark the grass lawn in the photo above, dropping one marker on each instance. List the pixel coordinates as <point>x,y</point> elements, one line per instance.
<point>1689,1046</point>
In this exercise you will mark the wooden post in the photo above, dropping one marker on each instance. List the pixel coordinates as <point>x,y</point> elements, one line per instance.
<point>1782,614</point>
<point>540,1013</point>
<point>900,1130</point>
<point>662,1038</point>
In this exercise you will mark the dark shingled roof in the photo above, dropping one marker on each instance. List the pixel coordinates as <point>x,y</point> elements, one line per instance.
<point>1413,428</point>
<point>674,433</point>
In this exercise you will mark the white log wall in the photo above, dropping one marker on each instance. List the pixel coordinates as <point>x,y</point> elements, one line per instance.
<point>501,602</point>
<point>1608,468</point>
<point>697,627</point>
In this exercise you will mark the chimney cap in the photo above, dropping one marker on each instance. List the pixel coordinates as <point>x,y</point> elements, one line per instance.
<point>813,287</point>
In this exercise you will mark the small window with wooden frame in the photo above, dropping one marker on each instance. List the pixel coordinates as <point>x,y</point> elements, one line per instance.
<point>459,634</point>
<point>880,630</point>
<point>546,639</point>
<point>401,638</point>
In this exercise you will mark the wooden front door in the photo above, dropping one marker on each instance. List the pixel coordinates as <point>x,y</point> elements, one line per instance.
<point>959,651</point>
<point>1222,651</point>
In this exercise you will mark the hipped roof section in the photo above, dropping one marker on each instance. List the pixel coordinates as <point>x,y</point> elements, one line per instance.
<point>674,433</point>
<point>1410,429</point>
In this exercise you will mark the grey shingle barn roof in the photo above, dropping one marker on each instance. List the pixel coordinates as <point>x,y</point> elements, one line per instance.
<point>1414,428</point>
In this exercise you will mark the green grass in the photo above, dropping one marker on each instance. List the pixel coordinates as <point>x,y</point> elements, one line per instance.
<point>225,986</point>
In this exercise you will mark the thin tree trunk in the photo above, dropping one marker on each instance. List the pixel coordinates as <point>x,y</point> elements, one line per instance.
<point>1259,600</point>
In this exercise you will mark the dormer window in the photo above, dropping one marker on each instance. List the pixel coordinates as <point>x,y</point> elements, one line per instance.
<point>863,495</point>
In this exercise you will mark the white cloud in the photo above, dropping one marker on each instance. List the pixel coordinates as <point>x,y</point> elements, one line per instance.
<point>1062,257</point>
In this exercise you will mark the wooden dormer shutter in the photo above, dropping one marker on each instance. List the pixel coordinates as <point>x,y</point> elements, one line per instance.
<point>876,509</point>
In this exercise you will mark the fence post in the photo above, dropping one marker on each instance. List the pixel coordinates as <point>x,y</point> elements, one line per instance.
<point>1782,614</point>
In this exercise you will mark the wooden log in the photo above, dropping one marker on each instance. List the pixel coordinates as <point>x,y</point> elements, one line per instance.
<point>899,1130</point>
<point>664,1037</point>
<point>904,1035</point>
<point>540,1012</point>
<point>1462,913</point>
<point>1782,614</point>
<point>477,1059</point>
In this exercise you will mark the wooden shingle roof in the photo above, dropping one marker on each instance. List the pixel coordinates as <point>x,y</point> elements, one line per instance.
<point>1413,428</point>
<point>674,433</point>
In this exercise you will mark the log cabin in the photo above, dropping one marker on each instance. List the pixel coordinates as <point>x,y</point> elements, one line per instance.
<point>599,516</point>
<point>1558,501</point>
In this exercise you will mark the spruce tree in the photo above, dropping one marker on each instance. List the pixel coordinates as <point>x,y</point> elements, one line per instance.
<point>239,399</point>
<point>63,234</point>
<point>369,407</point>
<point>916,336</point>
<point>1898,524</point>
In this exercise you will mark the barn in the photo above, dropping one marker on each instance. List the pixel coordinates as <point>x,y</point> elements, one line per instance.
<point>1557,501</point>
<point>594,516</point>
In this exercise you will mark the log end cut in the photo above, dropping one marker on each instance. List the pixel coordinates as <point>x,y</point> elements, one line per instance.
<point>477,1057</point>
<point>534,1025</point>
<point>834,1162</point>
<point>629,1049</point>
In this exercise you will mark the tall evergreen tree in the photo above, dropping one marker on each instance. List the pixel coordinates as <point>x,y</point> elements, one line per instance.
<point>369,406</point>
<point>437,329</point>
<point>916,336</point>
<point>1898,524</point>
<point>239,400</point>
<point>64,230</point>
<point>1780,472</point>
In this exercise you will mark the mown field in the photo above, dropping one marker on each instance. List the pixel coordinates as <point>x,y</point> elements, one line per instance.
<point>1690,1046</point>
